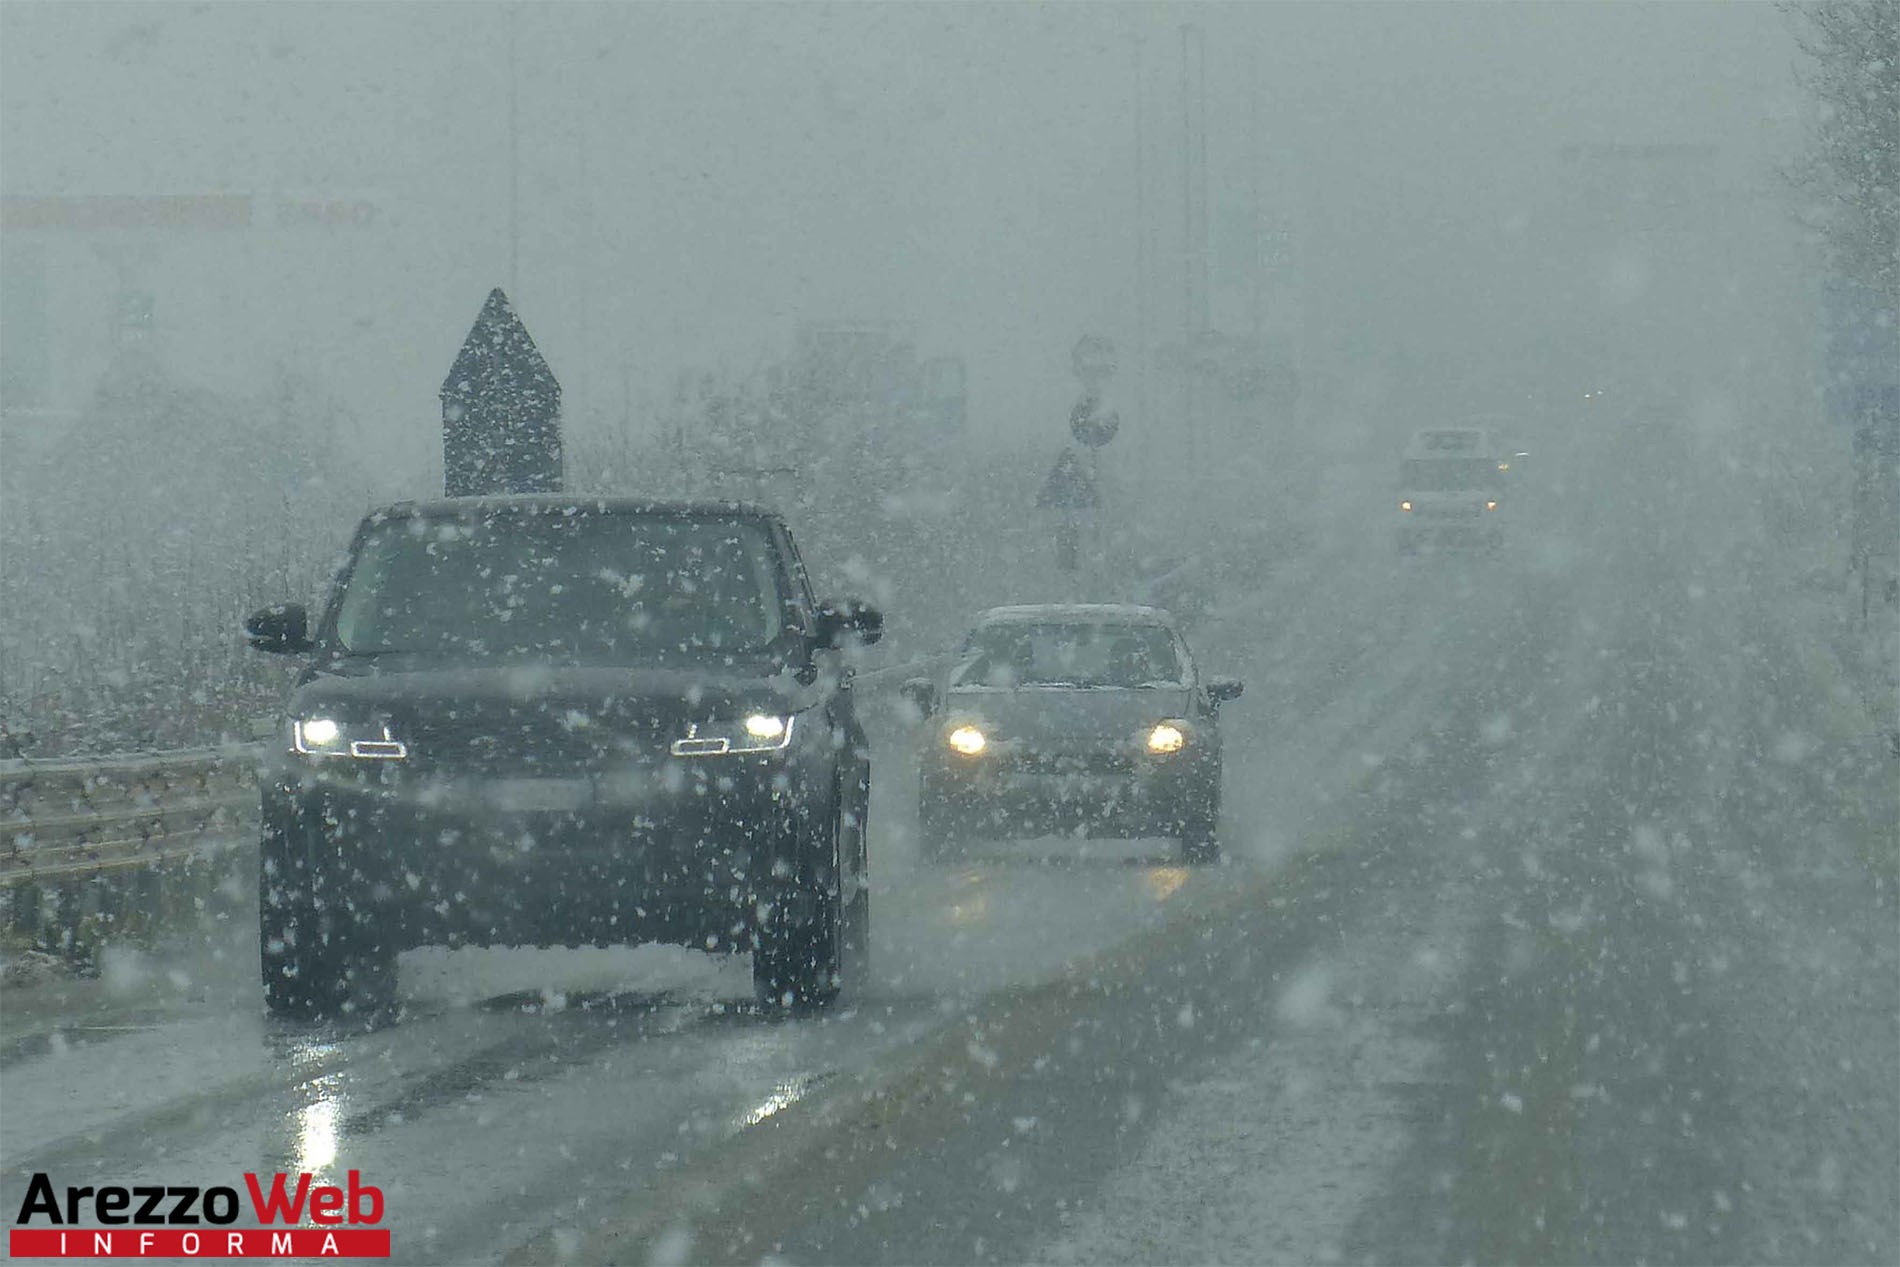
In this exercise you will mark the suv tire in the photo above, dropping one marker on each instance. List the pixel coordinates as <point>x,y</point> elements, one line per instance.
<point>1198,829</point>
<point>802,964</point>
<point>315,962</point>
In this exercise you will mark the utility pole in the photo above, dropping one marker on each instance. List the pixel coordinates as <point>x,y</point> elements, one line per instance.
<point>1201,321</point>
<point>1188,304</point>
<point>1141,251</point>
<point>514,160</point>
<point>1256,212</point>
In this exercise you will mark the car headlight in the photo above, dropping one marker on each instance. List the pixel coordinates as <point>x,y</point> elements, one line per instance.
<point>1490,505</point>
<point>323,736</point>
<point>1405,505</point>
<point>967,740</point>
<point>756,732</point>
<point>1166,737</point>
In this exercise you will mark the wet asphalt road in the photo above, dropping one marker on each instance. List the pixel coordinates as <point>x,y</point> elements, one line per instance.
<point>1543,938</point>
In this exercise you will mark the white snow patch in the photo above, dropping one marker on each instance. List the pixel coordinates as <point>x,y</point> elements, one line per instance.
<point>1307,1000</point>
<point>1794,747</point>
<point>673,1248</point>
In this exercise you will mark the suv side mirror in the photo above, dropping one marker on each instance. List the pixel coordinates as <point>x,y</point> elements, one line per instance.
<point>1222,689</point>
<point>280,630</point>
<point>839,617</point>
<point>922,693</point>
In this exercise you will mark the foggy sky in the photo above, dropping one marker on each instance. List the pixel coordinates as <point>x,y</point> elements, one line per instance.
<point>696,180</point>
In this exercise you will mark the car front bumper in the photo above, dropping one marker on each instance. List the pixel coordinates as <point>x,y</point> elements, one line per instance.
<point>1090,796</point>
<point>682,851</point>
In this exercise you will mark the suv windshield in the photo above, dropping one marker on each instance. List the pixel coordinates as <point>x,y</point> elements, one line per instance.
<point>1005,656</point>
<point>1438,475</point>
<point>584,588</point>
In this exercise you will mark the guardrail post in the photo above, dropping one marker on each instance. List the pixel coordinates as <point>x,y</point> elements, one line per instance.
<point>23,909</point>
<point>62,936</point>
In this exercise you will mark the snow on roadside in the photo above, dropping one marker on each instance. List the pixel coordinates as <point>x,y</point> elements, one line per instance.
<point>1272,1154</point>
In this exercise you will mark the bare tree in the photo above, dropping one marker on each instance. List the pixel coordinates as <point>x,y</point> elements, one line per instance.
<point>1854,75</point>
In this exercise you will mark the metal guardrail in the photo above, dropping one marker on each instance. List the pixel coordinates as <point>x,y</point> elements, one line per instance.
<point>69,820</point>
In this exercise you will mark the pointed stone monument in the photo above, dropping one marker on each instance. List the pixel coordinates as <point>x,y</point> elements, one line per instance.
<point>501,411</point>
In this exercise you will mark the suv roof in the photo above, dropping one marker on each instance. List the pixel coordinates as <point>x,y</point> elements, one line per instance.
<point>552,502</point>
<point>1451,442</point>
<point>1123,613</point>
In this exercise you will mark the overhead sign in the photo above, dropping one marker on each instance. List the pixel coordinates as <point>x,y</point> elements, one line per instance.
<point>1094,359</point>
<point>1093,423</point>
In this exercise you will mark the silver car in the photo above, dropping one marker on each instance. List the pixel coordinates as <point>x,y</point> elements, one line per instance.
<point>1084,719</point>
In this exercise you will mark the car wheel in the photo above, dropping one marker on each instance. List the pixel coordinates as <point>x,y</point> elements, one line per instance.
<point>314,968</point>
<point>315,960</point>
<point>933,829</point>
<point>855,967</point>
<point>1197,829</point>
<point>799,960</point>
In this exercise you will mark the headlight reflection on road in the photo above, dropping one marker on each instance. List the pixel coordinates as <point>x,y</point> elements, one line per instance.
<point>783,1097</point>
<point>1163,881</point>
<point>974,911</point>
<point>317,1129</point>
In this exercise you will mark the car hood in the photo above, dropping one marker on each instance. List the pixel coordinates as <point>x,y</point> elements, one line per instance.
<point>701,694</point>
<point>1055,716</point>
<point>1453,497</point>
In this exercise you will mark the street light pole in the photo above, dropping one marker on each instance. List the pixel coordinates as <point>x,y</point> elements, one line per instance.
<point>514,163</point>
<point>1188,305</point>
<point>1141,250</point>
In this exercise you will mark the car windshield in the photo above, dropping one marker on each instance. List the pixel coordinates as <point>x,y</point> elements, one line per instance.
<point>1440,475</point>
<point>1011,655</point>
<point>587,588</point>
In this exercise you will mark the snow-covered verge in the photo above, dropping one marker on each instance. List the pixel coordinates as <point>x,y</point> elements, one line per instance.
<point>1271,1153</point>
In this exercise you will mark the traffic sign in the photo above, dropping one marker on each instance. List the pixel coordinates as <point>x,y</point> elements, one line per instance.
<point>1093,358</point>
<point>1092,423</point>
<point>1070,486</point>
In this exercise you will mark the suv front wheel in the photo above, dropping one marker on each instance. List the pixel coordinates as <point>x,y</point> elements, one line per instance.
<point>812,941</point>
<point>316,959</point>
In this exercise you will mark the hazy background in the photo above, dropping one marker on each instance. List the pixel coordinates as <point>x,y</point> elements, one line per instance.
<point>694,181</point>
<point>1573,216</point>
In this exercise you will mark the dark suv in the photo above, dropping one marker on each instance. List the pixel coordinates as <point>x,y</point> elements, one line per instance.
<point>559,721</point>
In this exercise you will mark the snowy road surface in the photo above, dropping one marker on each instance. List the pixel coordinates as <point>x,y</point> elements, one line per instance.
<point>1544,936</point>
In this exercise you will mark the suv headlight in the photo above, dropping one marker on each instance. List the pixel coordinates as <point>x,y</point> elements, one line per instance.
<point>758,732</point>
<point>1166,737</point>
<point>325,736</point>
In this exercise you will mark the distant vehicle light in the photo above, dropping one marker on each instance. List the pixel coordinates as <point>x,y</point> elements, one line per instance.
<point>968,740</point>
<point>1490,505</point>
<point>1504,466</point>
<point>1166,738</point>
<point>1405,505</point>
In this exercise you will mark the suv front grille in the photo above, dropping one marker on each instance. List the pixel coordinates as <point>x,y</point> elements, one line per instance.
<point>534,740</point>
<point>1070,763</point>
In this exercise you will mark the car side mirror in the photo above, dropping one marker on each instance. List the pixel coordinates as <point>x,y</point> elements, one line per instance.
<point>1222,689</point>
<point>848,617</point>
<point>922,693</point>
<point>281,630</point>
